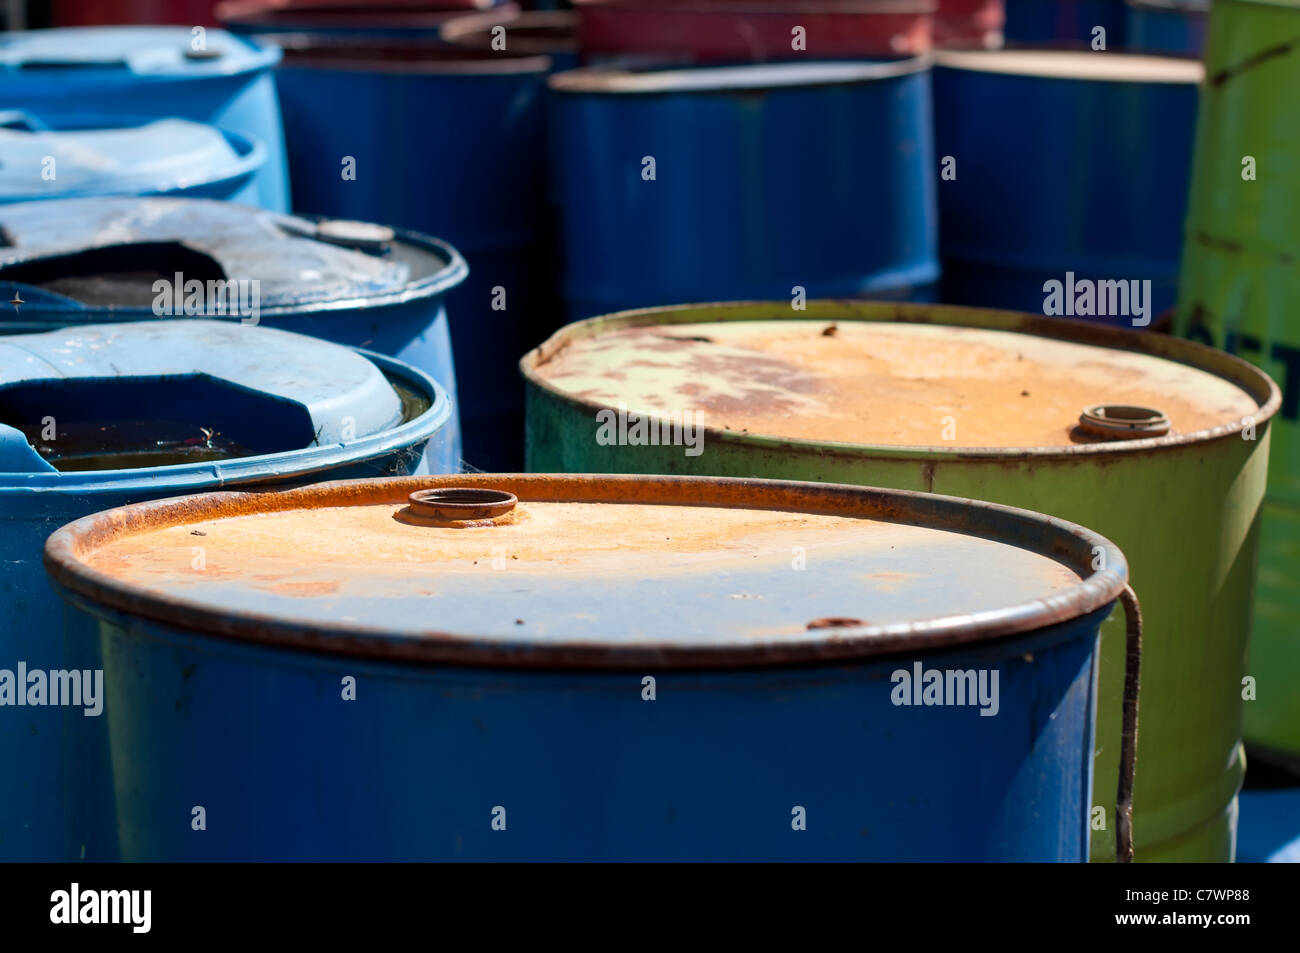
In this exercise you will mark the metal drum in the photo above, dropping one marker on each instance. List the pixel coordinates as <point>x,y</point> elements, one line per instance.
<point>205,75</point>
<point>698,31</point>
<point>1065,22</point>
<point>796,179</point>
<point>101,416</point>
<point>1239,285</point>
<point>58,156</point>
<point>390,159</point>
<point>1085,181</point>
<point>1158,443</point>
<point>1176,27</point>
<point>562,668</point>
<point>83,261</point>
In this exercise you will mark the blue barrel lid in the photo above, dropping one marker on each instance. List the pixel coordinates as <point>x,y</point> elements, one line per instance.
<point>57,256</point>
<point>82,56</point>
<point>595,571</point>
<point>292,391</point>
<point>64,156</point>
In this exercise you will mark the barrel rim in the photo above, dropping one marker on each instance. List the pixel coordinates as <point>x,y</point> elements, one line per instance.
<point>288,464</point>
<point>642,80</point>
<point>257,57</point>
<point>966,61</point>
<point>252,156</point>
<point>1064,542</point>
<point>1188,7</point>
<point>1254,381</point>
<point>460,30</point>
<point>299,45</point>
<point>248,14</point>
<point>453,273</point>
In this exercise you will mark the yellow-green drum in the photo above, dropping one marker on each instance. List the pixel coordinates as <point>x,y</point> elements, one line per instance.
<point>1169,462</point>
<point>1240,290</point>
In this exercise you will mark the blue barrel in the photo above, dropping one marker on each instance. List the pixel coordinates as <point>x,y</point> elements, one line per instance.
<point>105,415</point>
<point>57,156</point>
<point>1084,182</point>
<point>1065,22</point>
<point>425,136</point>
<point>85,261</point>
<point>744,182</point>
<point>1176,27</point>
<point>548,667</point>
<point>207,76</point>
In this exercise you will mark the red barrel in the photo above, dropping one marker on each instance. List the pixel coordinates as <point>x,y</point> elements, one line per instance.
<point>970,24</point>
<point>721,30</point>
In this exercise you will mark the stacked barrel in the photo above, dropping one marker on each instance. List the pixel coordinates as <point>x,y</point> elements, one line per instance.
<point>871,293</point>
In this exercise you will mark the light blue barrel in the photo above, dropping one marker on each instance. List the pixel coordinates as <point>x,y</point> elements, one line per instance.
<point>93,417</point>
<point>61,156</point>
<point>205,75</point>
<point>85,261</point>
<point>1085,181</point>
<point>541,667</point>
<point>744,182</point>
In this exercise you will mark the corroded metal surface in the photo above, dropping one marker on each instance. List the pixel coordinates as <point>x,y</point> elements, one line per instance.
<point>330,568</point>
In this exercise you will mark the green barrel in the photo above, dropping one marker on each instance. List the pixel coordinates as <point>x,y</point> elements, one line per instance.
<point>986,405</point>
<point>1239,289</point>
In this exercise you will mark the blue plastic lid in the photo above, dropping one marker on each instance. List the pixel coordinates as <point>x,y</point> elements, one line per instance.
<point>82,55</point>
<point>48,156</point>
<point>214,384</point>
<point>105,255</point>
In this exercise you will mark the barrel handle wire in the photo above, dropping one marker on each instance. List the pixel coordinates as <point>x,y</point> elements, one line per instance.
<point>1128,738</point>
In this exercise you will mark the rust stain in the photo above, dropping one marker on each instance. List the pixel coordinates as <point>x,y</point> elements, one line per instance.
<point>886,384</point>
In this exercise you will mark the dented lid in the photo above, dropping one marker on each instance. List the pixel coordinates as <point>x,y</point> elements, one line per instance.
<point>146,394</point>
<point>590,570</point>
<point>918,376</point>
<point>63,156</point>
<point>94,255</point>
<point>79,56</point>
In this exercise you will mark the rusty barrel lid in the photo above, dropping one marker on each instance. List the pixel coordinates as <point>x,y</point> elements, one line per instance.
<point>589,571</point>
<point>871,375</point>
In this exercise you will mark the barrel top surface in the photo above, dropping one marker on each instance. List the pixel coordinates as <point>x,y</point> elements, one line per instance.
<point>74,55</point>
<point>1094,66</point>
<point>126,159</point>
<point>881,383</point>
<point>334,384</point>
<point>586,568</point>
<point>752,76</point>
<point>297,264</point>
